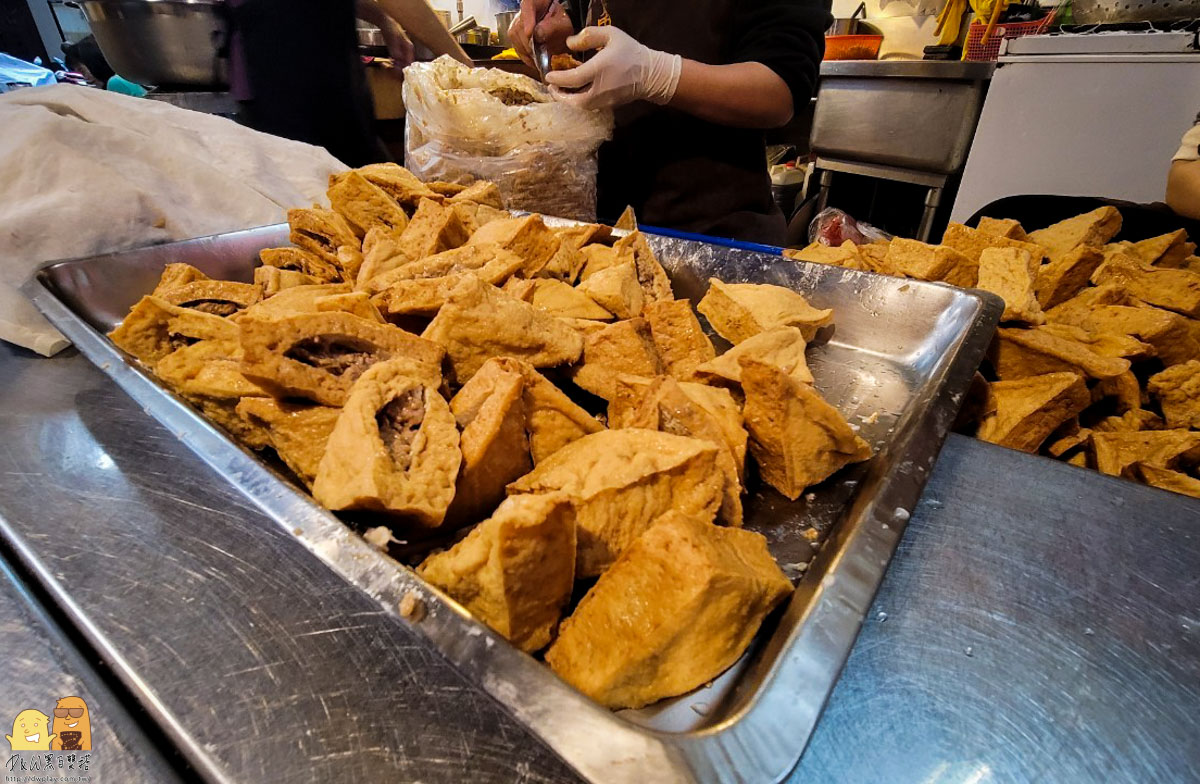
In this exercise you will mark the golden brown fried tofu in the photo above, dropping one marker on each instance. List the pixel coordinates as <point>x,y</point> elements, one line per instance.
<point>782,347</point>
<point>480,192</point>
<point>479,321</point>
<point>297,431</point>
<point>1177,390</point>
<point>566,263</point>
<point>597,258</point>
<point>216,297</point>
<point>738,311</point>
<point>1116,451</point>
<point>273,280</point>
<point>1065,275</point>
<point>564,301</point>
<point>583,234</point>
<point>1168,250</point>
<point>1124,390</point>
<point>1176,290</point>
<point>433,229</point>
<point>552,420</point>
<point>1104,344</point>
<point>1010,273</point>
<point>922,261</point>
<point>177,274</point>
<point>399,183</point>
<point>527,237</point>
<point>154,328</point>
<point>972,243</point>
<point>1002,227</point>
<point>489,263</point>
<point>678,337</point>
<point>1132,421</point>
<point>1166,479</point>
<point>621,481</point>
<point>291,301</point>
<point>495,449</point>
<point>1170,334</point>
<point>1061,446</point>
<point>656,286</point>
<point>356,303</point>
<point>208,375</point>
<point>365,205</point>
<point>624,347</point>
<point>796,437</point>
<point>319,356</point>
<point>1075,310</point>
<point>617,290</point>
<point>382,252</point>
<point>321,232</point>
<point>394,448</point>
<point>679,607</point>
<point>846,255</point>
<point>302,261</point>
<point>515,570</point>
<point>1022,413</point>
<point>1020,353</point>
<point>1092,228</point>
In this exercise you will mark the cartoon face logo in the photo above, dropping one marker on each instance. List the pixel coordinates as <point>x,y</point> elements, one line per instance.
<point>72,725</point>
<point>31,732</point>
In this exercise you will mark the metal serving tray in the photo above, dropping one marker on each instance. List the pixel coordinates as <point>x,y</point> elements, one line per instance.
<point>896,362</point>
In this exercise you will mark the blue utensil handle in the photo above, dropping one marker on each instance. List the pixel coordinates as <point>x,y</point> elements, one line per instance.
<point>724,241</point>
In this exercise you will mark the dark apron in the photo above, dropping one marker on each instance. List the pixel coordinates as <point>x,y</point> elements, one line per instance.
<point>307,81</point>
<point>678,171</point>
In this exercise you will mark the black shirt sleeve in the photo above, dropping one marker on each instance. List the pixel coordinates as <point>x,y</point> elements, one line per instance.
<point>787,36</point>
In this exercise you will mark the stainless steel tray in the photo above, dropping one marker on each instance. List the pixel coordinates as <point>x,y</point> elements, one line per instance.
<point>897,363</point>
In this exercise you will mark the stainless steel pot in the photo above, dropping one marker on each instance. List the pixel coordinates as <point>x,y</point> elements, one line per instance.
<point>503,20</point>
<point>162,41</point>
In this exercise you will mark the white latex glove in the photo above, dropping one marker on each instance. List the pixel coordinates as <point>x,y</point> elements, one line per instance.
<point>622,71</point>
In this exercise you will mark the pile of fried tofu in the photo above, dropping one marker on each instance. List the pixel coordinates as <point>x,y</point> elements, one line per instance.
<point>1097,360</point>
<point>420,355</point>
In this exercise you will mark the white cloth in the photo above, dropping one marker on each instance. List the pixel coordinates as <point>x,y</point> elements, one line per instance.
<point>85,171</point>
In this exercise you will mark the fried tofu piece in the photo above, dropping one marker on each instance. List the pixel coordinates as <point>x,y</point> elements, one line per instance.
<point>1002,227</point>
<point>319,356</point>
<point>678,337</point>
<point>397,181</point>
<point>365,205</point>
<point>972,243</point>
<point>617,290</point>
<point>433,229</point>
<point>1104,344</point>
<point>552,420</point>
<point>564,300</point>
<point>1166,479</point>
<point>297,431</point>
<point>738,311</point>
<point>291,301</point>
<point>597,258</point>
<point>479,321</point>
<point>1092,228</point>
<point>1022,413</point>
<point>1065,275</point>
<point>1116,451</point>
<point>1075,310</point>
<point>665,406</point>
<point>566,263</point>
<point>874,258</point>
<point>1176,290</point>
<point>527,237</point>
<point>356,303</point>
<point>515,570</point>
<point>623,347</point>
<point>1177,390</point>
<point>914,259</point>
<point>208,375</point>
<point>1010,274</point>
<point>782,347</point>
<point>495,448</point>
<point>656,286</point>
<point>1021,353</point>
<point>394,448</point>
<point>583,234</point>
<point>1062,444</point>
<point>382,252</point>
<point>1168,250</point>
<point>796,437</point>
<point>1131,421</point>
<point>676,610</point>
<point>216,297</point>
<point>1123,389</point>
<point>473,216</point>
<point>177,274</point>
<point>489,263</point>
<point>621,481</point>
<point>1169,334</point>
<point>321,232</point>
<point>302,261</point>
<point>480,192</point>
<point>273,280</point>
<point>154,328</point>
<point>846,255</point>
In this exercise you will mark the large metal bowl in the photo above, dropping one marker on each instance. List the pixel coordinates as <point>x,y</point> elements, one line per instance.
<point>177,42</point>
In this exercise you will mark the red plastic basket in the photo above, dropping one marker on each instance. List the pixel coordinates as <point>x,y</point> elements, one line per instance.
<point>979,50</point>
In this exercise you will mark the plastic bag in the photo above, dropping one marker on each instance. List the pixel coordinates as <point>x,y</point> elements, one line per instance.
<point>833,227</point>
<point>467,124</point>
<point>16,73</point>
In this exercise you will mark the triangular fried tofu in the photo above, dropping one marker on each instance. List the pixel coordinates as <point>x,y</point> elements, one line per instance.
<point>1104,344</point>
<point>297,431</point>
<point>627,220</point>
<point>1169,333</point>
<point>292,301</point>
<point>1166,479</point>
<point>1177,290</point>
<point>678,337</point>
<point>1010,273</point>
<point>1092,228</point>
<point>321,232</point>
<point>382,253</point>
<point>972,243</point>
<point>479,321</point>
<point>356,303</point>
<point>1075,310</point>
<point>515,570</point>
<point>782,347</point>
<point>319,356</point>
<point>154,328</point>
<point>584,234</point>
<point>623,347</point>
<point>1116,451</point>
<point>480,192</point>
<point>1065,275</point>
<point>208,375</point>
<point>300,260</point>
<point>527,237</point>
<point>1177,390</point>
<point>621,481</point>
<point>922,261</point>
<point>738,311</point>
<point>796,437</point>
<point>495,449</point>
<point>1168,250</point>
<point>1020,353</point>
<point>1022,413</point>
<point>273,280</point>
<point>177,274</point>
<point>394,448</point>
<point>566,263</point>
<point>597,258</point>
<point>701,593</point>
<point>1124,390</point>
<point>651,275</point>
<point>617,290</point>
<point>846,255</point>
<point>433,229</point>
<point>216,297</point>
<point>1002,227</point>
<point>365,205</point>
<point>564,300</point>
<point>1132,421</point>
<point>399,183</point>
<point>489,263</point>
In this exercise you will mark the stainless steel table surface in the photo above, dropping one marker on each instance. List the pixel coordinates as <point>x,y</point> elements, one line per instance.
<point>1039,623</point>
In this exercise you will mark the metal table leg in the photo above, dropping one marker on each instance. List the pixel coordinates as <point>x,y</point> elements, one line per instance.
<point>932,199</point>
<point>826,181</point>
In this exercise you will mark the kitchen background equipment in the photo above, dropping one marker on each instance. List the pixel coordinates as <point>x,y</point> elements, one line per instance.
<point>855,24</point>
<point>852,47</point>
<point>162,42</point>
<point>1097,11</point>
<point>503,20</point>
<point>900,358</point>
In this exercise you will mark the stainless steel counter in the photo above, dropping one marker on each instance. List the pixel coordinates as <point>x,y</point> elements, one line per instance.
<point>909,69</point>
<point>1038,624</point>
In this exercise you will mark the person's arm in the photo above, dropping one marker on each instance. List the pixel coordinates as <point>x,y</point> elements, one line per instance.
<point>419,21</point>
<point>1183,188</point>
<point>743,95</point>
<point>400,49</point>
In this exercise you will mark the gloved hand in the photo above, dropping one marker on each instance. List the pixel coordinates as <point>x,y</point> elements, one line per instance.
<point>622,71</point>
